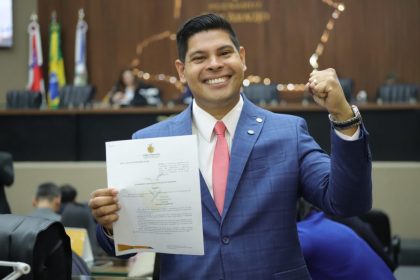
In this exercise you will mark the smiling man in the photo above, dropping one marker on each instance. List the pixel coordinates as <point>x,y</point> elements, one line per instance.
<point>254,164</point>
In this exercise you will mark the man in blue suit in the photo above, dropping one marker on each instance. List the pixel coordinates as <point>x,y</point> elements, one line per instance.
<point>273,161</point>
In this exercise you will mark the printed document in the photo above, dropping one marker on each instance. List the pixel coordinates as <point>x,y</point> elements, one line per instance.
<point>159,193</point>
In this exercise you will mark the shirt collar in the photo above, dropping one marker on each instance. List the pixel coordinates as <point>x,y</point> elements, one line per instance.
<point>204,122</point>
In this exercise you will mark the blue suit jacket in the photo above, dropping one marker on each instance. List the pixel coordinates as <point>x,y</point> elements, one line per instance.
<point>256,237</point>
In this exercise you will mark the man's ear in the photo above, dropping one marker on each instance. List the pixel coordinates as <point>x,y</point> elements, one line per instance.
<point>34,202</point>
<point>242,56</point>
<point>180,69</point>
<point>57,203</point>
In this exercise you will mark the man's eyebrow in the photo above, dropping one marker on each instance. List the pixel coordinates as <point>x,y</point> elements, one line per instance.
<point>195,53</point>
<point>203,52</point>
<point>226,47</point>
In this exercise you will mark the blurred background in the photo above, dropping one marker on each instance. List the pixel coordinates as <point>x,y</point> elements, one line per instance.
<point>59,133</point>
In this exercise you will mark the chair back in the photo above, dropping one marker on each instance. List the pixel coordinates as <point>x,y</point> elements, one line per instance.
<point>23,99</point>
<point>398,93</point>
<point>40,243</point>
<point>76,96</point>
<point>381,226</point>
<point>262,94</point>
<point>7,174</point>
<point>7,177</point>
<point>347,85</point>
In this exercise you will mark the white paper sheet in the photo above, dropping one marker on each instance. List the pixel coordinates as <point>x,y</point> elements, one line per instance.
<point>159,194</point>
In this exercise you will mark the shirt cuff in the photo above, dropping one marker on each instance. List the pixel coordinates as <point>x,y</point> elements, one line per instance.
<point>354,137</point>
<point>107,233</point>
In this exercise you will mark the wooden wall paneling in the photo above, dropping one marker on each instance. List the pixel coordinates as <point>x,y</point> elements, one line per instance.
<point>370,39</point>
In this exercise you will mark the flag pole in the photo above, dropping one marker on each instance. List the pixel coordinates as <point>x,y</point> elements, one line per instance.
<point>57,77</point>
<point>80,69</point>
<point>35,60</point>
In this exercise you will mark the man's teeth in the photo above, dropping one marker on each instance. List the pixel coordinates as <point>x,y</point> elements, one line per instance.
<point>216,81</point>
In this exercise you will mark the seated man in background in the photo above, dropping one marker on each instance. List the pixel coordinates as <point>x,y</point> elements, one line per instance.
<point>334,251</point>
<point>68,195</point>
<point>75,214</point>
<point>47,202</point>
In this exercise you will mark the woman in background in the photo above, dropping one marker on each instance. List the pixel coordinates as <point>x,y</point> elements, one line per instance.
<point>124,91</point>
<point>129,91</point>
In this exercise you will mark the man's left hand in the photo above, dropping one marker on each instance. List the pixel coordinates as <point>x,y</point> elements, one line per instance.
<point>327,92</point>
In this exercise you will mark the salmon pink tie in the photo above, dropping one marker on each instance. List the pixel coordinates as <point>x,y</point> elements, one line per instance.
<point>220,166</point>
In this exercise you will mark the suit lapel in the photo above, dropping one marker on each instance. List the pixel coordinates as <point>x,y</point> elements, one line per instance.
<point>207,199</point>
<point>246,134</point>
<point>182,125</point>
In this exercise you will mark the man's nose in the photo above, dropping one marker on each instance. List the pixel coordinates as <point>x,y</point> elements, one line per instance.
<point>215,63</point>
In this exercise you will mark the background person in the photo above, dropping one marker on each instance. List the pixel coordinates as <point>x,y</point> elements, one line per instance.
<point>68,195</point>
<point>47,202</point>
<point>125,89</point>
<point>334,251</point>
<point>129,91</point>
<point>75,214</point>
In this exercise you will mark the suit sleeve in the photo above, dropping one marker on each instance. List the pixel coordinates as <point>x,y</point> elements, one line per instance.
<point>341,184</point>
<point>107,243</point>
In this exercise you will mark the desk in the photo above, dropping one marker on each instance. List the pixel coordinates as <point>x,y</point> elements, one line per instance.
<point>114,267</point>
<point>109,266</point>
<point>119,271</point>
<point>108,278</point>
<point>407,272</point>
<point>80,135</point>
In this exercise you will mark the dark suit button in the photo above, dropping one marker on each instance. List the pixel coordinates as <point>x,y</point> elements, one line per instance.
<point>225,240</point>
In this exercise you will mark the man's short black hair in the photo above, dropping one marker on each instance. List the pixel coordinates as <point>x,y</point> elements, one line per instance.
<point>68,193</point>
<point>48,191</point>
<point>202,23</point>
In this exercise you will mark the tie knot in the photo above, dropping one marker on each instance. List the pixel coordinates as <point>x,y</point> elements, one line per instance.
<point>220,128</point>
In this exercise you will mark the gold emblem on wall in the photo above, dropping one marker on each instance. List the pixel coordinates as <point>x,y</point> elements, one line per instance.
<point>233,10</point>
<point>241,11</point>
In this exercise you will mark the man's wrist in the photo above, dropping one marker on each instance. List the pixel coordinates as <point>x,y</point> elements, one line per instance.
<point>342,115</point>
<point>351,122</point>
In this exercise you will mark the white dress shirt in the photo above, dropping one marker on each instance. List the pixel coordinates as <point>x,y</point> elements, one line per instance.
<point>203,126</point>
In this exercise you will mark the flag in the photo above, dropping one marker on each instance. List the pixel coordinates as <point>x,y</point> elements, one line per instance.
<point>56,66</point>
<point>80,71</point>
<point>36,80</point>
